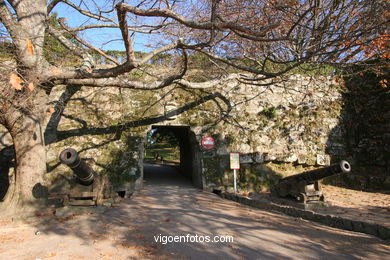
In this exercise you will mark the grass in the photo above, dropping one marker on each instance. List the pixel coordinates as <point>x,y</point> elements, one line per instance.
<point>164,150</point>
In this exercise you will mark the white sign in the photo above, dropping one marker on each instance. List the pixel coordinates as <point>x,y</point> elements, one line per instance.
<point>234,161</point>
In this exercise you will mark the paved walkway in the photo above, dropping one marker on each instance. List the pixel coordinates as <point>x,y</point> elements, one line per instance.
<point>169,205</point>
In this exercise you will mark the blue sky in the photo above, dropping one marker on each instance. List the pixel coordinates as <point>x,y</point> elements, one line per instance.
<point>105,38</point>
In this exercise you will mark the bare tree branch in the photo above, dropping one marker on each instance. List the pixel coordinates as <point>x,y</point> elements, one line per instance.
<point>156,51</point>
<point>88,45</point>
<point>88,61</point>
<point>138,85</point>
<point>51,5</point>
<point>147,29</point>
<point>125,34</point>
<point>261,32</point>
<point>86,13</point>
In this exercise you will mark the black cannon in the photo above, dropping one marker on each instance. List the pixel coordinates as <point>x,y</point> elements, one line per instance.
<point>86,184</point>
<point>305,187</point>
<point>84,174</point>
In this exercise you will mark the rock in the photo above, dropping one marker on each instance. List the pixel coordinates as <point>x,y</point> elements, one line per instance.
<point>269,157</point>
<point>244,148</point>
<point>290,158</point>
<point>301,159</point>
<point>259,157</point>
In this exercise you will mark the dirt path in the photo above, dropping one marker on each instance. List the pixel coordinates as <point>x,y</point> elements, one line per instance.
<point>170,206</point>
<point>358,205</point>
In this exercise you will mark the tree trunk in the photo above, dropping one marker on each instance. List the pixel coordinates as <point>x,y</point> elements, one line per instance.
<point>27,192</point>
<point>23,107</point>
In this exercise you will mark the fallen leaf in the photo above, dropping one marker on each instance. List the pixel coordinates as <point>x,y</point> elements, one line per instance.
<point>15,81</point>
<point>50,111</point>
<point>30,86</point>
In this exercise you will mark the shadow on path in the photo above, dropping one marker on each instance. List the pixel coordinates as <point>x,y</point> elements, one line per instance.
<point>169,205</point>
<point>157,174</point>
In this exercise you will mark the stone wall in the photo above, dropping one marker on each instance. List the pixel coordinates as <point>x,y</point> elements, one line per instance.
<point>104,126</point>
<point>285,128</point>
<point>293,125</point>
<point>366,128</point>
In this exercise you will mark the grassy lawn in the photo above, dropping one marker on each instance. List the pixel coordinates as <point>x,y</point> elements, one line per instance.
<point>165,150</point>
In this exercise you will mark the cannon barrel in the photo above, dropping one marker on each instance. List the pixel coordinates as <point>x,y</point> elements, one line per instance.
<point>83,172</point>
<point>318,174</point>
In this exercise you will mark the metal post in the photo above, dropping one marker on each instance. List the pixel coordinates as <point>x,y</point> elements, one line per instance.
<point>235,181</point>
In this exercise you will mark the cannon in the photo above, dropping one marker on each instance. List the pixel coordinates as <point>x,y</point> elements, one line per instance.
<point>86,185</point>
<point>305,187</point>
<point>84,174</point>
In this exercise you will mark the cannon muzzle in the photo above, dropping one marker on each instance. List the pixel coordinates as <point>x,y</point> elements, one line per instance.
<point>85,175</point>
<point>345,167</point>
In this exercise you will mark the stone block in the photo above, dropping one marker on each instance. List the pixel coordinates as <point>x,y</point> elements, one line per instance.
<point>371,229</point>
<point>259,158</point>
<point>384,232</point>
<point>347,224</point>
<point>246,158</point>
<point>301,159</point>
<point>290,158</point>
<point>269,157</point>
<point>358,226</point>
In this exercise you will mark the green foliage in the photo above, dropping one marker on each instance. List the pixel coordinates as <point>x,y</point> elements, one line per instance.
<point>202,62</point>
<point>160,135</point>
<point>315,69</point>
<point>54,51</point>
<point>161,142</point>
<point>7,50</point>
<point>118,55</point>
<point>269,112</point>
<point>121,164</point>
<point>162,150</point>
<point>137,75</point>
<point>162,59</point>
<point>310,69</point>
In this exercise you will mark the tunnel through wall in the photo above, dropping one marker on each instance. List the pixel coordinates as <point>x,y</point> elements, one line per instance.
<point>190,161</point>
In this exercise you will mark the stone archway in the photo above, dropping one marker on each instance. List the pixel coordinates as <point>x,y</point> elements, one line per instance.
<point>190,155</point>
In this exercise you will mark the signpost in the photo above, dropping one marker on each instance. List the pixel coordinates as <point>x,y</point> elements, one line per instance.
<point>235,165</point>
<point>208,143</point>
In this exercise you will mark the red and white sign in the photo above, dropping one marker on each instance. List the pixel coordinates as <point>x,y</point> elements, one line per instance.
<point>208,143</point>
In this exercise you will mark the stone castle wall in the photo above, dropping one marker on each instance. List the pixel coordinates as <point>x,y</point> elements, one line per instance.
<point>292,125</point>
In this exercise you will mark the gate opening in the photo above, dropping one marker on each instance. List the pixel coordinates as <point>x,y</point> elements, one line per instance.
<point>174,146</point>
